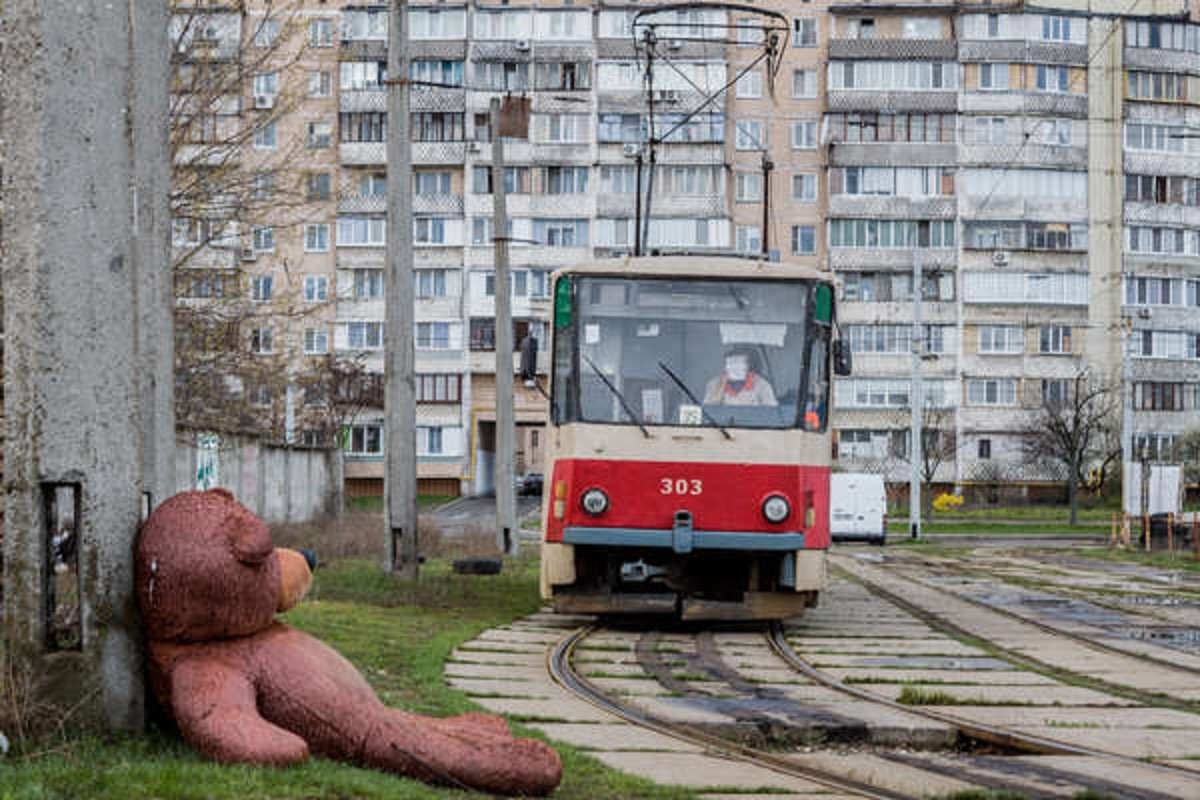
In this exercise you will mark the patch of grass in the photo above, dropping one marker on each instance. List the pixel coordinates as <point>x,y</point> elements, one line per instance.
<point>1157,559</point>
<point>398,636</point>
<point>972,528</point>
<point>1068,724</point>
<point>1027,512</point>
<point>917,696</point>
<point>690,677</point>
<point>373,504</point>
<point>985,794</point>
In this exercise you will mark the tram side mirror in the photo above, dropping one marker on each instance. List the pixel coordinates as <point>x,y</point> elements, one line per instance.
<point>843,363</point>
<point>529,353</point>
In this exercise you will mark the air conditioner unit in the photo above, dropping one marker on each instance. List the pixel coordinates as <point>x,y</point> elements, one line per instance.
<point>1144,313</point>
<point>666,96</point>
<point>631,149</point>
<point>249,254</point>
<point>1000,258</point>
<point>264,101</point>
<point>523,45</point>
<point>674,44</point>
<point>474,147</point>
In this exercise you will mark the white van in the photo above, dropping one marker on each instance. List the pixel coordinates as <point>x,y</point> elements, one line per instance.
<point>857,508</point>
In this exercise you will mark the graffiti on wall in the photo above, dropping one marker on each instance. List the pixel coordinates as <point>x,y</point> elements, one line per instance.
<point>208,461</point>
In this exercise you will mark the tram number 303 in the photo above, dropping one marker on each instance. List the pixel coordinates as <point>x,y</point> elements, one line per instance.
<point>680,486</point>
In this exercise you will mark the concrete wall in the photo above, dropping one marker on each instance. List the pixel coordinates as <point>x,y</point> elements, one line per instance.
<point>280,484</point>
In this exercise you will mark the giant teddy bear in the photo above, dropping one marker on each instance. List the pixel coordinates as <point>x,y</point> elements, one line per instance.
<point>244,687</point>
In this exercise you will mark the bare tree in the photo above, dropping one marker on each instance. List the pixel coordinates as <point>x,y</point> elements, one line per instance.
<point>242,364</point>
<point>1073,431</point>
<point>939,446</point>
<point>1187,452</point>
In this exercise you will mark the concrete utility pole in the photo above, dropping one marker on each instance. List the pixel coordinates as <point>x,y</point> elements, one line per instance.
<point>1126,404</point>
<point>506,527</point>
<point>89,427</point>
<point>400,400</point>
<point>916,401</point>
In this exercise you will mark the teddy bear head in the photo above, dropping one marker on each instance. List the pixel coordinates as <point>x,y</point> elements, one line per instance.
<point>205,569</point>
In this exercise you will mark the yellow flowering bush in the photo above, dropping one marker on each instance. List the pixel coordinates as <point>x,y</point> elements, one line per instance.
<point>947,502</point>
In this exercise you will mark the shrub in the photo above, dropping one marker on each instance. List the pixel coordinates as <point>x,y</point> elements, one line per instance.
<point>947,502</point>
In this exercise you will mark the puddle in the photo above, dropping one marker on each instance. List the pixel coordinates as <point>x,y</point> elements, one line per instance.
<point>931,662</point>
<point>1153,600</point>
<point>1184,639</point>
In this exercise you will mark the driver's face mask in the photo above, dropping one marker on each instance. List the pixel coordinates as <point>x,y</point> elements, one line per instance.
<point>736,368</point>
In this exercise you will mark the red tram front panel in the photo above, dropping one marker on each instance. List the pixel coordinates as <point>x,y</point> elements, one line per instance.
<point>726,497</point>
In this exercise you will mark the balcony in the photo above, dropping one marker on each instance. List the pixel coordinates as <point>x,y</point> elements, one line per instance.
<point>1156,60</point>
<point>353,203</point>
<point>1021,51</point>
<point>1162,214</point>
<point>999,206</point>
<point>892,154</point>
<point>562,205</point>
<point>932,101</point>
<point>895,49</point>
<point>842,258</point>
<point>363,100</point>
<point>1033,155</point>
<point>434,98</point>
<point>891,207</point>
<point>453,153</point>
<point>441,204</point>
<point>363,154</point>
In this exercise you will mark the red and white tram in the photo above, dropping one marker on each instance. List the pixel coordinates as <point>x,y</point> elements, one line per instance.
<point>688,455</point>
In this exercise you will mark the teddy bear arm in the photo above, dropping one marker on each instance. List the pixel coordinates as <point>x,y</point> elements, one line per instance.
<point>216,709</point>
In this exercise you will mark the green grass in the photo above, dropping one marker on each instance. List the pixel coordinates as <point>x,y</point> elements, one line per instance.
<point>1031,512</point>
<point>1157,559</point>
<point>374,504</point>
<point>916,696</point>
<point>900,527</point>
<point>397,635</point>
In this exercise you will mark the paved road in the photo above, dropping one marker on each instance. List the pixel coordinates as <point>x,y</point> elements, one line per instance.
<point>474,512</point>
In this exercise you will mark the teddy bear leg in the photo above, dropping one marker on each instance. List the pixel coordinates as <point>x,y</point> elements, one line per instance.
<point>215,706</point>
<point>482,758</point>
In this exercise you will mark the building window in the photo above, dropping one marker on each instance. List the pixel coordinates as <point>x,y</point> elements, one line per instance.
<point>985,445</point>
<point>267,32</point>
<point>1158,396</point>
<point>564,180</point>
<point>749,239</point>
<point>750,85</point>
<point>320,83</point>
<point>993,76</point>
<point>804,240</point>
<point>263,239</point>
<point>804,187</point>
<point>316,238</point>
<point>364,440</point>
<point>260,341</point>
<point>431,183</point>
<point>804,32</point>
<point>361,231</point>
<point>368,284</point>
<point>1055,340</point>
<point>363,126</point>
<point>266,84</point>
<point>373,184</point>
<point>433,335</point>
<point>261,288</point>
<point>316,288</point>
<point>561,128</point>
<point>265,136</point>
<point>804,135</point>
<point>438,388</point>
<point>429,230</point>
<point>357,76</point>
<point>1056,29</point>
<point>750,135</point>
<point>804,83</point>
<point>1056,392</point>
<point>320,33</point>
<point>439,72</point>
<point>364,335</point>
<point>749,187</point>
<point>891,234</point>
<point>319,186</point>
<point>430,282</point>
<point>561,232</point>
<point>1052,78</point>
<point>437,23</point>
<point>430,126</point>
<point>1160,86</point>
<point>992,391</point>
<point>316,341</point>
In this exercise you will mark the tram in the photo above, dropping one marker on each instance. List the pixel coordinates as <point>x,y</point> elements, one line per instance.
<point>688,453</point>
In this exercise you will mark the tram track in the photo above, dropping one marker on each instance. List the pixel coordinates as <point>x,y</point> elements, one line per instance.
<point>996,744</point>
<point>1057,630</point>
<point>945,625</point>
<point>562,671</point>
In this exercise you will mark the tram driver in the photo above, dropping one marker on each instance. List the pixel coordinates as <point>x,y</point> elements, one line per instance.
<point>739,384</point>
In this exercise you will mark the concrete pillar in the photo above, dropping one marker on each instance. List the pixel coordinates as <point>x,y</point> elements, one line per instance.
<point>87,315</point>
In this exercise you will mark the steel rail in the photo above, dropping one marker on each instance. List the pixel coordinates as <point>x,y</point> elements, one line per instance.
<point>970,728</point>
<point>1048,628</point>
<point>558,663</point>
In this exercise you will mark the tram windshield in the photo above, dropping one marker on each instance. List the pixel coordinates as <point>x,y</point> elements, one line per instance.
<point>691,351</point>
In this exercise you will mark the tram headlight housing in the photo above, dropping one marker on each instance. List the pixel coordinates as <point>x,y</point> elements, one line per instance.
<point>594,502</point>
<point>776,508</point>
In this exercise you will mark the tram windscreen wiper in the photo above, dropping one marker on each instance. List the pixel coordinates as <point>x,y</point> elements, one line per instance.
<point>683,386</point>
<point>617,393</point>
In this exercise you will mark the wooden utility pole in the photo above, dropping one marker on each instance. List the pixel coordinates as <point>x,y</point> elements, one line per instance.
<point>506,529</point>
<point>400,406</point>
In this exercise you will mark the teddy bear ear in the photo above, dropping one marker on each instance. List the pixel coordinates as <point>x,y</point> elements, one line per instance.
<point>228,495</point>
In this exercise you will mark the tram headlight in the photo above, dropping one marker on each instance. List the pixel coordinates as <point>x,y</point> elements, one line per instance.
<point>776,508</point>
<point>594,501</point>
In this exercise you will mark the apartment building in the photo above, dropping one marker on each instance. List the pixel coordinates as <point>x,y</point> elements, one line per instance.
<point>1040,164</point>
